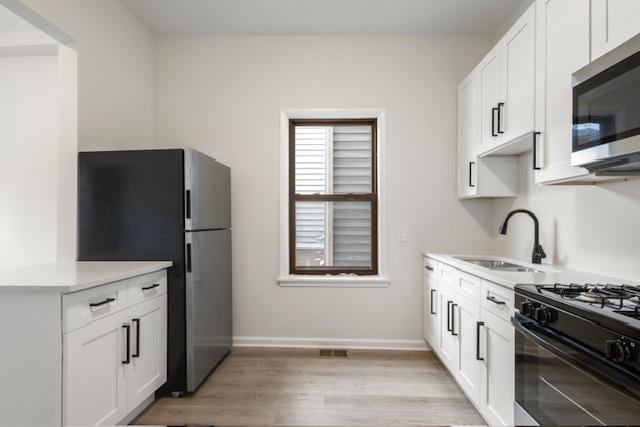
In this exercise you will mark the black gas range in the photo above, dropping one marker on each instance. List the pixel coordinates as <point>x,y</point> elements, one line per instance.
<point>578,354</point>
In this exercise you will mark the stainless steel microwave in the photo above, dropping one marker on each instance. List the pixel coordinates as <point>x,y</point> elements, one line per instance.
<point>606,120</point>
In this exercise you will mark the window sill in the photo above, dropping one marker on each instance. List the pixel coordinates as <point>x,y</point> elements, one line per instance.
<point>342,281</point>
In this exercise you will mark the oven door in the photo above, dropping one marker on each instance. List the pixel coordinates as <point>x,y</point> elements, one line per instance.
<point>558,382</point>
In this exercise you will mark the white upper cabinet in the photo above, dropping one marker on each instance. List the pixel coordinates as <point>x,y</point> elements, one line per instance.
<point>488,177</point>
<point>562,48</point>
<point>613,23</point>
<point>490,96</point>
<point>516,111</point>
<point>468,133</point>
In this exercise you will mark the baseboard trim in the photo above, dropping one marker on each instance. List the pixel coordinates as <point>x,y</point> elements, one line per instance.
<point>341,343</point>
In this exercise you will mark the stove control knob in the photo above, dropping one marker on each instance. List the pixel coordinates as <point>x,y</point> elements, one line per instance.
<point>527,308</point>
<point>618,351</point>
<point>543,315</point>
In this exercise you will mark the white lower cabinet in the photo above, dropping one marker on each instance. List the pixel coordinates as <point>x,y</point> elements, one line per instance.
<point>431,312</point>
<point>95,379</point>
<point>113,364</point>
<point>498,380</point>
<point>470,368</point>
<point>471,333</point>
<point>448,348</point>
<point>148,368</point>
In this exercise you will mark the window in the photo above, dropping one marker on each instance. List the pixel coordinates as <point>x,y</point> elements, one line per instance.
<point>333,201</point>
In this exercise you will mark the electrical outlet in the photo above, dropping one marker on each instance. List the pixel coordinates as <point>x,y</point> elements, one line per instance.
<point>401,235</point>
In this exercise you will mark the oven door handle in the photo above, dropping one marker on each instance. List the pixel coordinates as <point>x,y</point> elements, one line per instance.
<point>578,356</point>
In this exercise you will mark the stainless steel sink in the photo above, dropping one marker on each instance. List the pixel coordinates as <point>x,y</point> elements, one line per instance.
<point>500,265</point>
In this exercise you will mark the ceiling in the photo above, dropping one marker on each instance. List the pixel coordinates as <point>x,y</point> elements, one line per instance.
<point>275,17</point>
<point>9,21</point>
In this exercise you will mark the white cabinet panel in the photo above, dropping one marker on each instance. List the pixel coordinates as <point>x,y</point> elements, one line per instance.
<point>490,70</point>
<point>518,52</point>
<point>468,136</point>
<point>562,49</point>
<point>448,349</point>
<point>470,368</point>
<point>431,313</point>
<point>148,369</point>
<point>94,383</point>
<point>613,23</point>
<point>498,380</point>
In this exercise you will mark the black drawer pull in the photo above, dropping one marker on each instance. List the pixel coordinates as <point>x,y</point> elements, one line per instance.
<point>453,320</point>
<point>478,325</point>
<point>127,328</point>
<point>98,304</point>
<point>495,301</point>
<point>148,288</point>
<point>429,268</point>
<point>449,315</point>
<point>137,323</point>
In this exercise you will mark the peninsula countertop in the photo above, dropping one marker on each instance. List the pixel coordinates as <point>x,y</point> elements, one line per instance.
<point>67,277</point>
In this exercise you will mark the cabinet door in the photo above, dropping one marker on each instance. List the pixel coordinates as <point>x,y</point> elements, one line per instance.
<point>562,49</point>
<point>148,368</point>
<point>613,23</point>
<point>431,317</point>
<point>518,58</point>
<point>470,369</point>
<point>490,96</point>
<point>448,329</point>
<point>94,375</point>
<point>497,392</point>
<point>468,136</point>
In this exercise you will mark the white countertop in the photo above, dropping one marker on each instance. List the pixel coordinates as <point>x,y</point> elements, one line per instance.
<point>66,277</point>
<point>550,274</point>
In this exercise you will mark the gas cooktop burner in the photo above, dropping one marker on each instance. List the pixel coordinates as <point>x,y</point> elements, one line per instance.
<point>622,299</point>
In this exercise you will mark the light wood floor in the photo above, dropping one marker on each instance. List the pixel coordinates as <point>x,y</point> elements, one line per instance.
<point>258,386</point>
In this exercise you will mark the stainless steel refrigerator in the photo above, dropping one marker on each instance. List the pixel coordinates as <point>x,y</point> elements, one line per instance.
<point>167,205</point>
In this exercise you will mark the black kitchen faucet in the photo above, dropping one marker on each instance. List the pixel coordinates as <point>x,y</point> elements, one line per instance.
<point>538,252</point>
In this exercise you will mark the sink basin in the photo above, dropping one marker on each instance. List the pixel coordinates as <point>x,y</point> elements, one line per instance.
<point>500,265</point>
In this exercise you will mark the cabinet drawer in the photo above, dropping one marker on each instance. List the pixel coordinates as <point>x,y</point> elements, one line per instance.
<point>447,276</point>
<point>83,307</point>
<point>143,288</point>
<point>430,268</point>
<point>468,286</point>
<point>497,299</point>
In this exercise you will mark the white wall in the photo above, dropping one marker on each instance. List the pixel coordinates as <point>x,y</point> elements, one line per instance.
<point>116,71</point>
<point>223,95</point>
<point>593,228</point>
<point>28,164</point>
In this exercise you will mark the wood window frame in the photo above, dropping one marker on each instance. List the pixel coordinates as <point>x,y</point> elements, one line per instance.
<point>372,198</point>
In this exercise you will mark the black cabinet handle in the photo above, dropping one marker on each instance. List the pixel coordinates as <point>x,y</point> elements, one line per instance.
<point>127,328</point>
<point>471,165</point>
<point>98,304</point>
<point>148,288</point>
<point>493,121</point>
<point>433,291</point>
<point>478,325</point>
<point>188,257</point>
<point>495,301</point>
<point>500,105</point>
<point>453,320</point>
<point>449,315</point>
<point>535,151</point>
<point>429,268</point>
<point>137,323</point>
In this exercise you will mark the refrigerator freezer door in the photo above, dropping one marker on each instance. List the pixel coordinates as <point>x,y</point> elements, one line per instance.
<point>208,186</point>
<point>209,305</point>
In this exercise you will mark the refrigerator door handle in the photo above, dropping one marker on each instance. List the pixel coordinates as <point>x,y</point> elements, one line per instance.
<point>188,257</point>
<point>187,203</point>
